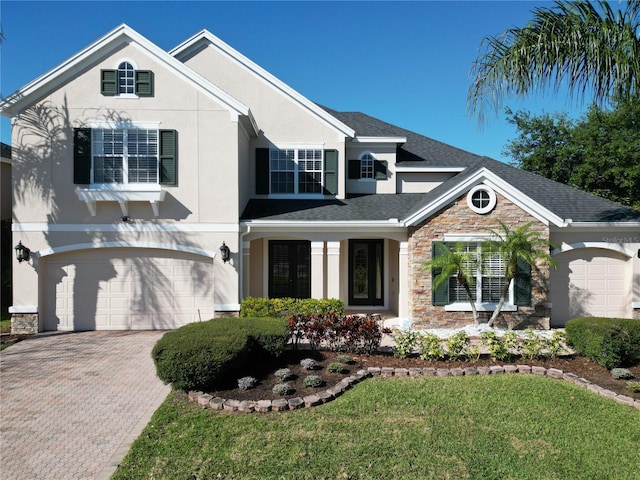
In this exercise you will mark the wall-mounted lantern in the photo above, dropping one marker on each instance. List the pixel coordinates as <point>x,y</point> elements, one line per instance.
<point>225,252</point>
<point>22,252</point>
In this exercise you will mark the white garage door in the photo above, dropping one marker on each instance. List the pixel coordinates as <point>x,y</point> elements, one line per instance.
<point>125,288</point>
<point>589,282</point>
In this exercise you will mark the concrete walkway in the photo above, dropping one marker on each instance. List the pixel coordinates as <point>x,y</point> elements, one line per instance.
<point>71,404</point>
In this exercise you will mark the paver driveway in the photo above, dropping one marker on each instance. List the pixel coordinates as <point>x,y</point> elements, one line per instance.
<point>71,404</point>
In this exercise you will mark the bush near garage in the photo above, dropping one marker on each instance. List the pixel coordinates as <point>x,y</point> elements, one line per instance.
<point>610,342</point>
<point>203,355</point>
<point>258,307</point>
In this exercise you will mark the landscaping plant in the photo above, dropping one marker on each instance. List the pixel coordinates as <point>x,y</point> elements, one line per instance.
<point>430,347</point>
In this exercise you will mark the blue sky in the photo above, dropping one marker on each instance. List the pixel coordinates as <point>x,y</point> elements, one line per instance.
<point>406,63</point>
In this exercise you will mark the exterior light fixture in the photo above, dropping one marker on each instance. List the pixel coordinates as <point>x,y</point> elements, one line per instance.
<point>225,252</point>
<point>22,252</point>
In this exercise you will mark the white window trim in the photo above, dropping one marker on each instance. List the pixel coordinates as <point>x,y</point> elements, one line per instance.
<point>295,193</point>
<point>117,68</point>
<point>509,304</point>
<point>492,199</point>
<point>372,178</point>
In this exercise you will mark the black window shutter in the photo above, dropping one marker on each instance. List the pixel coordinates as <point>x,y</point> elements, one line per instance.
<point>354,169</point>
<point>144,83</point>
<point>331,172</point>
<point>522,284</point>
<point>82,156</point>
<point>380,169</point>
<point>262,171</point>
<point>439,297</point>
<point>168,157</point>
<point>109,82</point>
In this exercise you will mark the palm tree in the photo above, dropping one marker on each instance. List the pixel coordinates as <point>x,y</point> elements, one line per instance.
<point>521,243</point>
<point>590,47</point>
<point>458,262</point>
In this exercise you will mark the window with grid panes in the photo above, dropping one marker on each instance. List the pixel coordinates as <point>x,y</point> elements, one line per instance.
<point>295,170</point>
<point>124,155</point>
<point>488,277</point>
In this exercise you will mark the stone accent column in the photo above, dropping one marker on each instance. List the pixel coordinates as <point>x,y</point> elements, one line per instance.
<point>317,269</point>
<point>333,270</point>
<point>403,280</point>
<point>24,320</point>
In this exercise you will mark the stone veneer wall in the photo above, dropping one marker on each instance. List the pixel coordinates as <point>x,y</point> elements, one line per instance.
<point>24,323</point>
<point>458,218</point>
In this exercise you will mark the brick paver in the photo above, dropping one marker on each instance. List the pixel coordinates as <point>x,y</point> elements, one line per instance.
<point>72,404</point>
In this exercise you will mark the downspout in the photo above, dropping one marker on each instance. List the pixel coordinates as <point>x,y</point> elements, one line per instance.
<point>241,262</point>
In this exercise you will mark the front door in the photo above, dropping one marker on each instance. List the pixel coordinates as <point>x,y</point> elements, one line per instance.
<point>366,272</point>
<point>289,269</point>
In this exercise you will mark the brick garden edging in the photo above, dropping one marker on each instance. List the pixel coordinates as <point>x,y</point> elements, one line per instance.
<point>324,396</point>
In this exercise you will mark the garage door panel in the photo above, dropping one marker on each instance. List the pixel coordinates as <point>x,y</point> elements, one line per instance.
<point>589,282</point>
<point>127,289</point>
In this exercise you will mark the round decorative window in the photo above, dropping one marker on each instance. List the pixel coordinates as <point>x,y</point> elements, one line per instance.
<point>481,199</point>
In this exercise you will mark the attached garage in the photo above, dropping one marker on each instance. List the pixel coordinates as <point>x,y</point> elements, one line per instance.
<point>590,282</point>
<point>126,288</point>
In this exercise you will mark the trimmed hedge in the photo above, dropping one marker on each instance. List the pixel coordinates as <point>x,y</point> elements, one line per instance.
<point>610,342</point>
<point>285,307</point>
<point>200,356</point>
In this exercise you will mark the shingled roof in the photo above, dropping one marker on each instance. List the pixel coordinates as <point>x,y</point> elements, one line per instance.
<point>565,202</point>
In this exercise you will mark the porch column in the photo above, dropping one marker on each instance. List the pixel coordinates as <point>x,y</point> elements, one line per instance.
<point>317,269</point>
<point>333,269</point>
<point>246,255</point>
<point>403,280</point>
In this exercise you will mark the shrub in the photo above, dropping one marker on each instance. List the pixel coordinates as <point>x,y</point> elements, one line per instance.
<point>556,344</point>
<point>622,374</point>
<point>352,333</point>
<point>283,389</point>
<point>405,342</point>
<point>245,383</point>
<point>285,307</point>
<point>633,386</point>
<point>284,373</point>
<point>335,367</point>
<point>496,345</point>
<point>313,381</point>
<point>308,363</point>
<point>346,359</point>
<point>430,347</point>
<point>532,344</point>
<point>457,344</point>
<point>199,356</point>
<point>610,342</point>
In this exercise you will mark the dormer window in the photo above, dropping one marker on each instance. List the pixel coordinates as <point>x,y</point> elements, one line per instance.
<point>368,167</point>
<point>126,81</point>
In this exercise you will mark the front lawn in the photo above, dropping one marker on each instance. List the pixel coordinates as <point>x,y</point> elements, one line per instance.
<point>481,427</point>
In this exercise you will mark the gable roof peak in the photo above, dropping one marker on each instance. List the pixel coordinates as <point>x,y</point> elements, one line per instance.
<point>194,44</point>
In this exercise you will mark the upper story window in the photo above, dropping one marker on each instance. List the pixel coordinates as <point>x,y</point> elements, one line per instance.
<point>368,167</point>
<point>296,171</point>
<point>367,162</point>
<point>124,156</point>
<point>481,199</point>
<point>126,81</point>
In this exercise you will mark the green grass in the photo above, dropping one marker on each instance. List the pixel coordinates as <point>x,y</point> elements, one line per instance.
<point>485,427</point>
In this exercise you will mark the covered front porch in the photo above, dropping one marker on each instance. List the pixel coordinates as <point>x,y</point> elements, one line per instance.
<point>367,269</point>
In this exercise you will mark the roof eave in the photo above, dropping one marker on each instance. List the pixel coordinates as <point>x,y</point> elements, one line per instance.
<point>182,50</point>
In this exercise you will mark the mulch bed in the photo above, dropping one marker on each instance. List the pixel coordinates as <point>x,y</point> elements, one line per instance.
<point>264,372</point>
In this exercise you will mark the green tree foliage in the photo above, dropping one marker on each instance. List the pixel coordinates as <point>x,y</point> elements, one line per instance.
<point>455,260</point>
<point>585,45</point>
<point>519,243</point>
<point>598,153</point>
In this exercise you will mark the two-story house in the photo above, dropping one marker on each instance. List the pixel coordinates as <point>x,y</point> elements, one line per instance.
<point>152,189</point>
